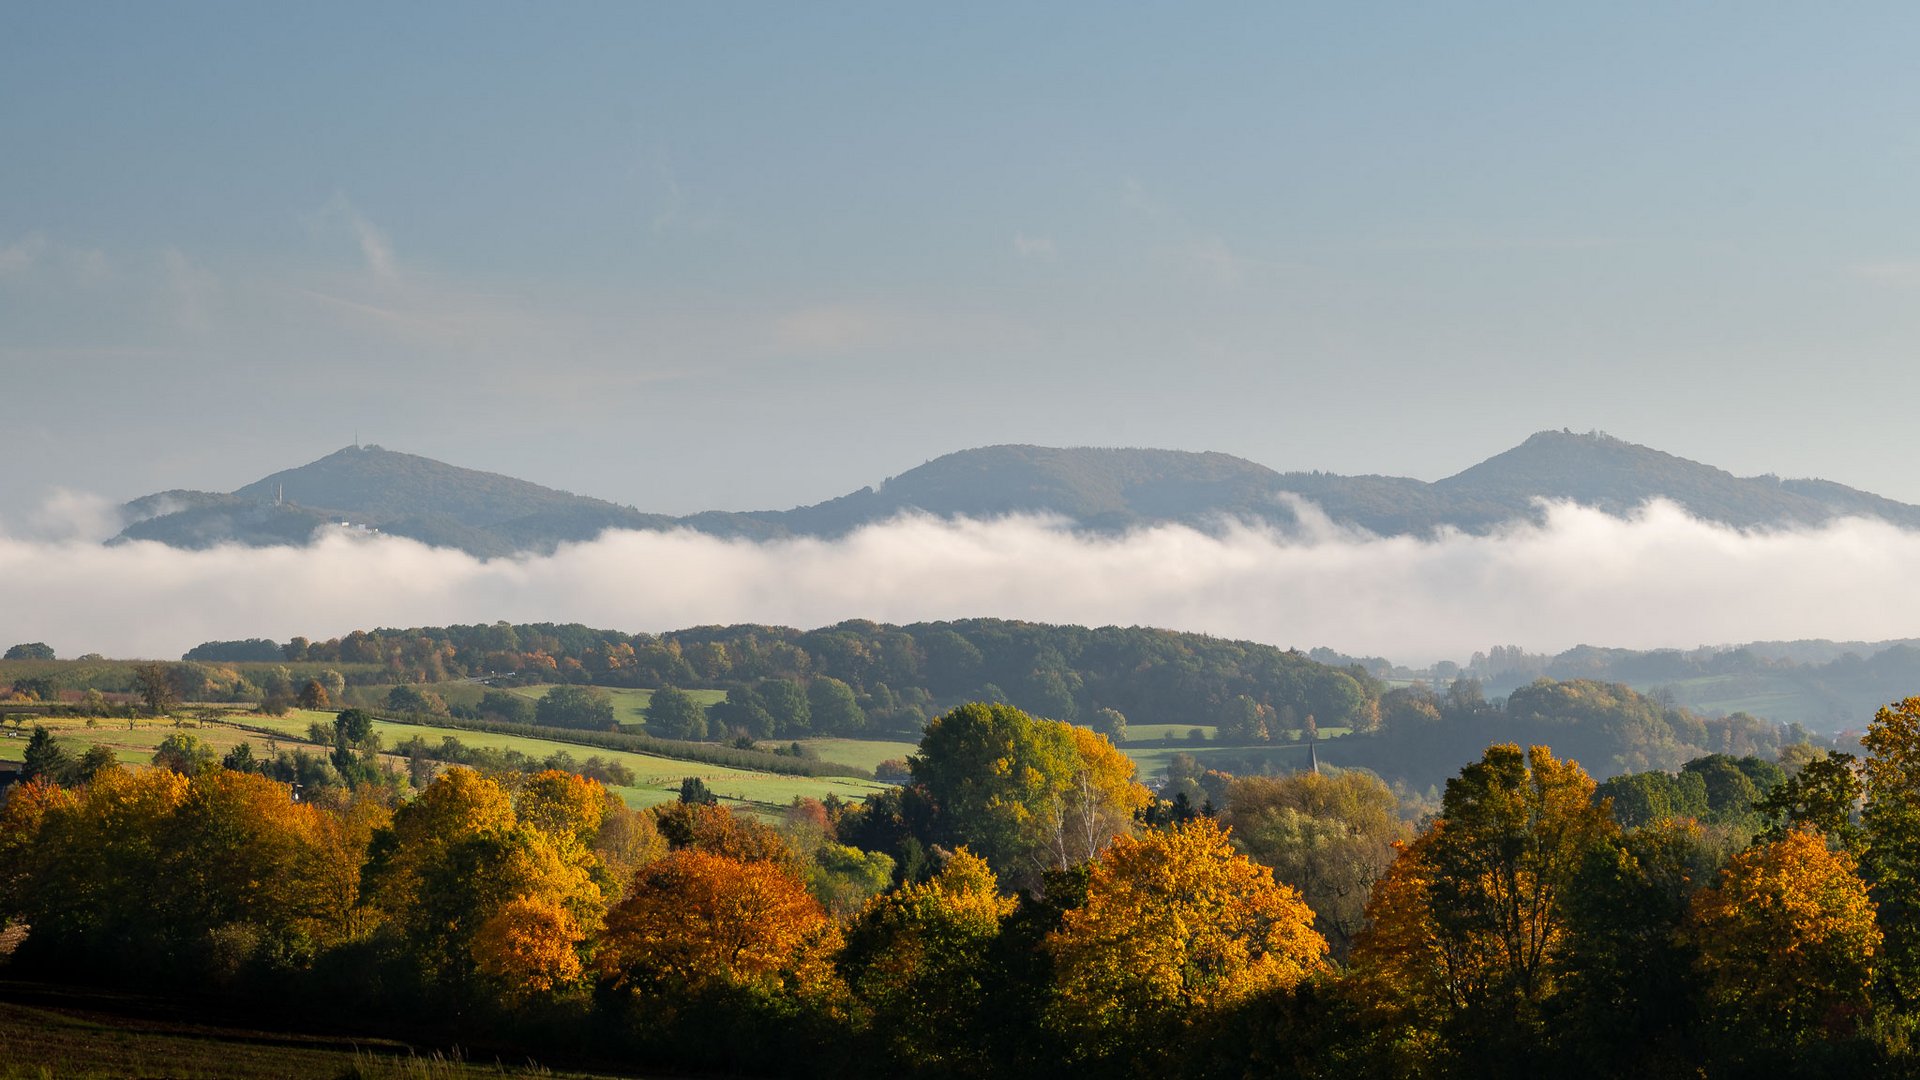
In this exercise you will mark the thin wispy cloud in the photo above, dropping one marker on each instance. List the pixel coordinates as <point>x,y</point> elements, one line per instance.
<point>375,247</point>
<point>1658,578</point>
<point>17,258</point>
<point>1039,246</point>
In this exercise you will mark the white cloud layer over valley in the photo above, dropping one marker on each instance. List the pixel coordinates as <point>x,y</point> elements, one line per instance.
<point>1659,578</point>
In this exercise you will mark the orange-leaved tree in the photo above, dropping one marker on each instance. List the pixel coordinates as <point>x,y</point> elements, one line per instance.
<point>1175,926</point>
<point>694,921</point>
<point>1787,941</point>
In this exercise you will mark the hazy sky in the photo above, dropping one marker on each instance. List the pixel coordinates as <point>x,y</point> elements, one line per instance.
<point>729,255</point>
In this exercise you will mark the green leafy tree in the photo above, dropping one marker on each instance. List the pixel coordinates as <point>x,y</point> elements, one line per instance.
<point>240,759</point>
<point>184,754</point>
<point>1891,818</point>
<point>575,707</point>
<point>1643,798</point>
<point>1027,795</point>
<point>1330,837</point>
<point>833,708</point>
<point>32,650</point>
<point>694,792</point>
<point>96,760</point>
<point>510,707</point>
<point>742,711</point>
<point>786,702</point>
<point>1824,794</point>
<point>1628,1000</point>
<point>674,714</point>
<point>353,727</point>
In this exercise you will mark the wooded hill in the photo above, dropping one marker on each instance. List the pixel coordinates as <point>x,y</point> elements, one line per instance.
<point>1257,699</point>
<point>1095,489</point>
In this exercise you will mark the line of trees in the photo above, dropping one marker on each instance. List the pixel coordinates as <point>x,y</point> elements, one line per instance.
<point>1022,904</point>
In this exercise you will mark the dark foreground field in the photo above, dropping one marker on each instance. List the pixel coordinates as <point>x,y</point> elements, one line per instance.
<point>61,1032</point>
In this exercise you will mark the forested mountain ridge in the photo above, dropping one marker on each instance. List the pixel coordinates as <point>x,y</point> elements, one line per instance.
<point>401,494</point>
<point>1090,488</point>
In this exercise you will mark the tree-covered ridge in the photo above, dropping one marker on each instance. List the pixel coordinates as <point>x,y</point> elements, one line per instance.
<point>1826,685</point>
<point>863,678</point>
<point>1095,488</point>
<point>900,675</point>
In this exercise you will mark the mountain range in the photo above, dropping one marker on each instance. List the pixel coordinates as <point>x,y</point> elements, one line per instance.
<point>1105,490</point>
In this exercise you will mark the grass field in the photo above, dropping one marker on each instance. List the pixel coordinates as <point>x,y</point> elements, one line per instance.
<point>657,779</point>
<point>1161,732</point>
<point>866,753</point>
<point>1283,757</point>
<point>66,1033</point>
<point>134,741</point>
<point>1777,698</point>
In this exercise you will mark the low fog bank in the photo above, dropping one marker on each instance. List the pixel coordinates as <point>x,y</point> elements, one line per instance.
<point>1659,578</point>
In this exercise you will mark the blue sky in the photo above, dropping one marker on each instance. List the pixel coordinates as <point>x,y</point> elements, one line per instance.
<point>737,256</point>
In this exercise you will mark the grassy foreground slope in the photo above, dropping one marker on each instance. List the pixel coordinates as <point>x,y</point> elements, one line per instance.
<point>84,1034</point>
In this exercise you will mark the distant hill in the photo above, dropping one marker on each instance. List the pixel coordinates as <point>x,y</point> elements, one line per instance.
<point>1092,488</point>
<point>389,492</point>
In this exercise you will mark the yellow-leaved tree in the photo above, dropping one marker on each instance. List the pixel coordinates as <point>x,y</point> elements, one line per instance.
<point>458,860</point>
<point>915,960</point>
<point>1175,927</point>
<point>1787,941</point>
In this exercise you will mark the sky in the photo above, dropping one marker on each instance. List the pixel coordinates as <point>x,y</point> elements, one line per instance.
<point>754,255</point>
<point>740,256</point>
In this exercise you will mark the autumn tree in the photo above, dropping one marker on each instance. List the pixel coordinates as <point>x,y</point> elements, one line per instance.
<point>81,867</point>
<point>454,859</point>
<point>531,945</point>
<point>1026,794</point>
<point>1175,926</point>
<point>1330,837</point>
<point>314,695</point>
<point>184,754</point>
<point>915,959</point>
<point>693,921</point>
<point>269,877</point>
<point>717,830</point>
<point>1787,942</point>
<point>1469,923</point>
